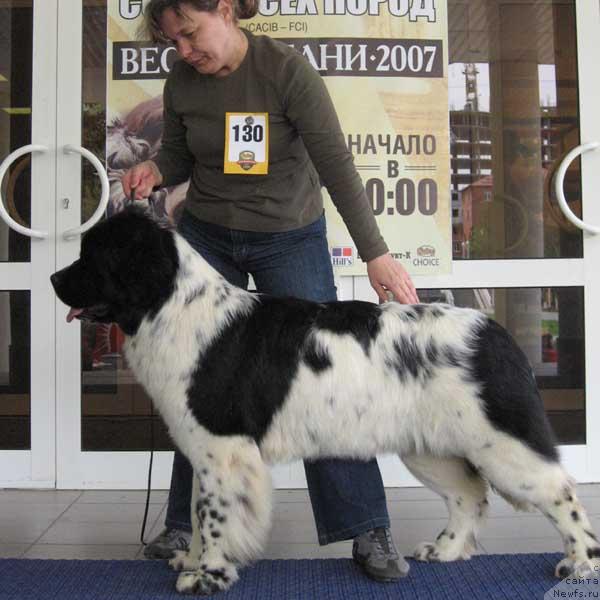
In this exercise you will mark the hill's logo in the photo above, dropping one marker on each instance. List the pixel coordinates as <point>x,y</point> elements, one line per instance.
<point>342,256</point>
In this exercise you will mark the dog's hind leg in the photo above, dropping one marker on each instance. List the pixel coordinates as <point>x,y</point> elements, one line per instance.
<point>464,492</point>
<point>527,477</point>
<point>581,545</point>
<point>231,514</point>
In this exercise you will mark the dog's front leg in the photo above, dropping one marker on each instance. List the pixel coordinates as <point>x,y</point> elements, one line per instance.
<point>189,560</point>
<point>206,567</point>
<point>231,509</point>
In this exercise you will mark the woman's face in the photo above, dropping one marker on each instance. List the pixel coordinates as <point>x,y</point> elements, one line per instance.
<point>205,40</point>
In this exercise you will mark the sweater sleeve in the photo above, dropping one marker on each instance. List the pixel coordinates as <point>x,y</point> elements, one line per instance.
<point>310,109</point>
<point>174,159</point>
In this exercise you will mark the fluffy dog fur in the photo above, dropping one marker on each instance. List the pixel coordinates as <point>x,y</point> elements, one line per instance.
<point>248,380</point>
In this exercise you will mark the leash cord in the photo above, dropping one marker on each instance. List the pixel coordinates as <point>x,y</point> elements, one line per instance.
<point>149,476</point>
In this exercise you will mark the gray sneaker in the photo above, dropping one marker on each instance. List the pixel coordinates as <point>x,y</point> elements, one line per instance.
<point>166,542</point>
<point>375,553</point>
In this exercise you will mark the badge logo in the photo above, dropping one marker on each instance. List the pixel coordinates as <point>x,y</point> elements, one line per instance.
<point>246,159</point>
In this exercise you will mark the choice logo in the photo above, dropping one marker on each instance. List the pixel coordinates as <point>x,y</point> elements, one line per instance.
<point>426,251</point>
<point>426,257</point>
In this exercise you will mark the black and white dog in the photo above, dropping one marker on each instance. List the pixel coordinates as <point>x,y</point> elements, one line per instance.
<point>245,380</point>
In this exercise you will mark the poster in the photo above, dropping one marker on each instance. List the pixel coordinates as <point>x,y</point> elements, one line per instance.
<point>385,65</point>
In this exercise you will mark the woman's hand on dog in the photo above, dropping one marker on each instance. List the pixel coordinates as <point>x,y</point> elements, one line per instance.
<point>142,179</point>
<point>388,275</point>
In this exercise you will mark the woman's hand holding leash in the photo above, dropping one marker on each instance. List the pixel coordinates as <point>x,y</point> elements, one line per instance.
<point>388,275</point>
<point>141,179</point>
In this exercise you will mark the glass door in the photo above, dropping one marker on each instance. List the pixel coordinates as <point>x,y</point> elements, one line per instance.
<point>105,423</point>
<point>522,83</point>
<point>27,129</point>
<point>523,90</point>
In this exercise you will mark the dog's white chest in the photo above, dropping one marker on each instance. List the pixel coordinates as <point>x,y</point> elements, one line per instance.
<point>147,356</point>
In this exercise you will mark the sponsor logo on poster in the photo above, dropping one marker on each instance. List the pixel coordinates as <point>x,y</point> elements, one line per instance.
<point>342,256</point>
<point>426,257</point>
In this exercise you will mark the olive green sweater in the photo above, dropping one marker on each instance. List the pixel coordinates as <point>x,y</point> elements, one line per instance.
<point>306,147</point>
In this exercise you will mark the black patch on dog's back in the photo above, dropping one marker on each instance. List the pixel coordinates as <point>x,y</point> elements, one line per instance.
<point>509,391</point>
<point>409,359</point>
<point>359,319</point>
<point>244,376</point>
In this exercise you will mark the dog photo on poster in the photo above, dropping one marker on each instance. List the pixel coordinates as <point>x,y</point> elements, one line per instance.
<point>385,66</point>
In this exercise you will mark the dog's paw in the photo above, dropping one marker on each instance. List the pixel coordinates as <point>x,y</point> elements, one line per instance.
<point>427,552</point>
<point>182,561</point>
<point>437,552</point>
<point>583,568</point>
<point>565,568</point>
<point>205,581</point>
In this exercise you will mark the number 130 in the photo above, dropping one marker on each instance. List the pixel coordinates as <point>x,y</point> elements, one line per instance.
<point>249,133</point>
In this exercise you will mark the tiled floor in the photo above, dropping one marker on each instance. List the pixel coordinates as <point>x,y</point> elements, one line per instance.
<point>106,524</point>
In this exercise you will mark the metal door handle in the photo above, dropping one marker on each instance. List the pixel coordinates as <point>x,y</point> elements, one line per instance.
<point>33,233</point>
<point>101,208</point>
<point>559,178</point>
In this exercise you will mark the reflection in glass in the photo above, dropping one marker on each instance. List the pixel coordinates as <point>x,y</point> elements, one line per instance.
<point>15,370</point>
<point>547,323</point>
<point>93,116</point>
<point>16,30</point>
<point>513,117</point>
<point>116,412</point>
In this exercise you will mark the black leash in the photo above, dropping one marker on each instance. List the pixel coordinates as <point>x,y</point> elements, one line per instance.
<point>149,476</point>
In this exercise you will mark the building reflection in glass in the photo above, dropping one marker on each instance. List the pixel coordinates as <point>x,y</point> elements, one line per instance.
<point>513,117</point>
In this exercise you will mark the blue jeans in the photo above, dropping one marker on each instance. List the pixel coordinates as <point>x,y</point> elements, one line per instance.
<point>347,496</point>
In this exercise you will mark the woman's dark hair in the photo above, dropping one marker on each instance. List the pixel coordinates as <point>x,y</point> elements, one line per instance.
<point>242,9</point>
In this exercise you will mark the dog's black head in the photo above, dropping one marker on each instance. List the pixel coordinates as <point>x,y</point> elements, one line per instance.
<point>126,270</point>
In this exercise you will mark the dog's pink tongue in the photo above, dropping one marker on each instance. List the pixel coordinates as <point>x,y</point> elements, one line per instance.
<point>73,313</point>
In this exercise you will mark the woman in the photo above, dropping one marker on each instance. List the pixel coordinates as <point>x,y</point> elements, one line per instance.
<point>270,225</point>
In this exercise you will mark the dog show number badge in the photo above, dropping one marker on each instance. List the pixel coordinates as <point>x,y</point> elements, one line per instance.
<point>246,143</point>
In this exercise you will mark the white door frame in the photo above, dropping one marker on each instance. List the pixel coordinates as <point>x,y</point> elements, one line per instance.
<point>36,467</point>
<point>588,28</point>
<point>119,470</point>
